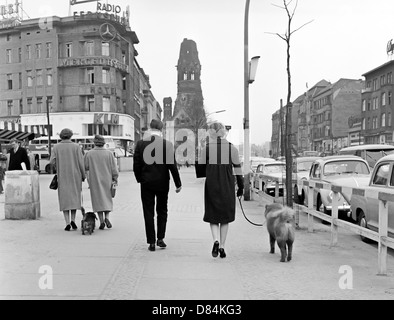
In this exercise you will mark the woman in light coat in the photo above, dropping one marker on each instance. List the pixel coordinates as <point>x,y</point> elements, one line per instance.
<point>67,158</point>
<point>103,171</point>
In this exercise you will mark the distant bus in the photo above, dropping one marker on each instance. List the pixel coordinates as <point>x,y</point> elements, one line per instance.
<point>39,147</point>
<point>369,152</point>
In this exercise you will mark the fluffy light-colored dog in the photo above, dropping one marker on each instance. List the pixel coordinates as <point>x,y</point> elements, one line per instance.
<point>281,228</point>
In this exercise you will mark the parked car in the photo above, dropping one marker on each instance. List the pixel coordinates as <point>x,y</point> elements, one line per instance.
<point>365,209</point>
<point>369,152</point>
<point>301,168</point>
<point>345,171</point>
<point>269,172</point>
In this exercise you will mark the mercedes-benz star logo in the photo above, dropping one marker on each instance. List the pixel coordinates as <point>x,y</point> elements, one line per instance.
<point>107,31</point>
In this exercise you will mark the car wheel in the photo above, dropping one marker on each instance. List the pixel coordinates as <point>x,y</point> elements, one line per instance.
<point>320,207</point>
<point>362,222</point>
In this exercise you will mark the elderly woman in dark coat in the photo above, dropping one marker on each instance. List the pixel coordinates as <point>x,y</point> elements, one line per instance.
<point>102,169</point>
<point>222,163</point>
<point>67,157</point>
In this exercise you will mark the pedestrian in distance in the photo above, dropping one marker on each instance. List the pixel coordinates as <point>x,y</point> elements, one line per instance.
<point>32,159</point>
<point>154,160</point>
<point>18,155</point>
<point>67,158</point>
<point>101,167</point>
<point>222,164</point>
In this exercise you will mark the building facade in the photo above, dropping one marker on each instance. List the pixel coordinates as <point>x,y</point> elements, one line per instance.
<point>377,105</point>
<point>78,72</point>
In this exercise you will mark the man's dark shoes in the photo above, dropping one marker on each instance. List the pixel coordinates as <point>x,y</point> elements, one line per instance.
<point>161,243</point>
<point>73,225</point>
<point>67,228</point>
<point>222,253</point>
<point>215,249</point>
<point>152,247</point>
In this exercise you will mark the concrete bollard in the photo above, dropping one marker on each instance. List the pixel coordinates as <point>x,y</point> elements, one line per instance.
<point>22,195</point>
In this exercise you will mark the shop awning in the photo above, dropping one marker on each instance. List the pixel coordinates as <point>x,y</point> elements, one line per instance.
<point>11,130</point>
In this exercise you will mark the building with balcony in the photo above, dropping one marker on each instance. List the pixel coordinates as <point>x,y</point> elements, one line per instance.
<point>81,71</point>
<point>377,105</point>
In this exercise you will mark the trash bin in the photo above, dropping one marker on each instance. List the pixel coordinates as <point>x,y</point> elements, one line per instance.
<point>22,195</point>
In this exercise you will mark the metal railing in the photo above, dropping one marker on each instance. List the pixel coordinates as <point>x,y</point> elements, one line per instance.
<point>381,237</point>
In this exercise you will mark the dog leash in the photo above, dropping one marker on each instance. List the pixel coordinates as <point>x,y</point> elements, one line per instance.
<point>242,209</point>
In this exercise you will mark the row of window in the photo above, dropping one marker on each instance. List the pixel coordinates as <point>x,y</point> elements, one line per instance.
<point>373,123</point>
<point>39,77</point>
<point>384,79</point>
<point>318,104</point>
<point>41,104</point>
<point>373,104</point>
<point>37,51</point>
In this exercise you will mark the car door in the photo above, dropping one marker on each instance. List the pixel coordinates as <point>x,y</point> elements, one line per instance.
<point>379,183</point>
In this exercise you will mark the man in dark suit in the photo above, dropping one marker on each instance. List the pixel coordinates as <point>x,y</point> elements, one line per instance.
<point>154,159</point>
<point>17,156</point>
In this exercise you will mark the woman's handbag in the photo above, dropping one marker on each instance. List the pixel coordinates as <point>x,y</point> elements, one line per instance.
<point>113,188</point>
<point>53,185</point>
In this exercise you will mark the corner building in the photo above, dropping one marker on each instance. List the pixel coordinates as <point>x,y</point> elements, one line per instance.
<point>80,69</point>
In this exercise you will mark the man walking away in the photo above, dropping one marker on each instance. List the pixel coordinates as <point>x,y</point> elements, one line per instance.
<point>154,159</point>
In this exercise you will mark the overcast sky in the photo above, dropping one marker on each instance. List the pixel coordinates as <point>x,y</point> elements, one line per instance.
<point>346,39</point>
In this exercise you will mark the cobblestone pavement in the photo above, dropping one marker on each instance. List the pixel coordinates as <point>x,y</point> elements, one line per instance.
<point>115,264</point>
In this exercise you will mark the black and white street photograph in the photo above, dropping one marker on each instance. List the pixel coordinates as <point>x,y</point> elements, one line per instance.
<point>196,157</point>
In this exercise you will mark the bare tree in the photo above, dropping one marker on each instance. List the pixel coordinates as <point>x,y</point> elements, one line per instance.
<point>290,11</point>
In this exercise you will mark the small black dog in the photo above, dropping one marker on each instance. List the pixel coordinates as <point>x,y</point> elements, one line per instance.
<point>88,222</point>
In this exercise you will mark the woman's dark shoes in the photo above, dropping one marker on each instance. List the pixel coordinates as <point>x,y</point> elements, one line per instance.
<point>67,228</point>
<point>152,247</point>
<point>73,225</point>
<point>161,243</point>
<point>222,253</point>
<point>107,223</point>
<point>215,249</point>
<point>102,226</point>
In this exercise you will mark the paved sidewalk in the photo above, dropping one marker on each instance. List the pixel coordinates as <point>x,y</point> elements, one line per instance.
<point>115,263</point>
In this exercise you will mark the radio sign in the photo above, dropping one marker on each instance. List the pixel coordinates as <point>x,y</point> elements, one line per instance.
<point>109,11</point>
<point>108,8</point>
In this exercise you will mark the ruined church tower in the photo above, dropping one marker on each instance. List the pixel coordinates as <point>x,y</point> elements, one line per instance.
<point>189,82</point>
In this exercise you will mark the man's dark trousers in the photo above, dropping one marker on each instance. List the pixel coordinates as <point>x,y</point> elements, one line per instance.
<point>148,196</point>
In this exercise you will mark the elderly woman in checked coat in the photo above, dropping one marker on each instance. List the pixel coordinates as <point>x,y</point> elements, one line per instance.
<point>101,165</point>
<point>67,157</point>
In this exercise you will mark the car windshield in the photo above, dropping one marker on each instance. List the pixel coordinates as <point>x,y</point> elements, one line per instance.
<point>345,167</point>
<point>304,166</point>
<point>274,168</point>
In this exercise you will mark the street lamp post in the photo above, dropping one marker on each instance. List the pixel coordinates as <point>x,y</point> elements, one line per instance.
<point>49,130</point>
<point>249,76</point>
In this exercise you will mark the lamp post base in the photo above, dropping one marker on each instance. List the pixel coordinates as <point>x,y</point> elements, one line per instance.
<point>247,187</point>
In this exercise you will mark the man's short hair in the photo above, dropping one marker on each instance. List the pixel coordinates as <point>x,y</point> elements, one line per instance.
<point>14,140</point>
<point>156,124</point>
